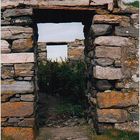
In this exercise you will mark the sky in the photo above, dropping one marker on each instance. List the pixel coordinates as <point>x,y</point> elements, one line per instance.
<point>57,52</point>
<point>60,32</point>
<point>50,32</point>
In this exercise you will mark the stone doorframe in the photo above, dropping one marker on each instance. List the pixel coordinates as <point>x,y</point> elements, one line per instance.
<point>111,46</point>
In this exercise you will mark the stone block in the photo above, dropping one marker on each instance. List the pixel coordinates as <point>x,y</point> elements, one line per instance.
<point>28,78</point>
<point>107,73</point>
<point>27,122</point>
<point>126,31</point>
<point>112,115</point>
<point>6,97</point>
<point>117,99</point>
<point>22,45</point>
<point>17,12</point>
<point>110,3</point>
<point>3,121</point>
<point>108,52</point>
<point>103,85</point>
<point>7,72</point>
<point>104,62</point>
<point>17,58</point>
<point>42,55</point>
<point>112,19</point>
<point>69,3</point>
<point>42,47</point>
<point>15,100</point>
<point>5,22</point>
<point>44,3</point>
<point>16,32</point>
<point>135,20</point>
<point>17,109</point>
<point>24,20</point>
<point>113,41</point>
<point>24,69</point>
<point>133,113</point>
<point>5,47</point>
<point>75,52</point>
<point>101,29</point>
<point>18,133</point>
<point>128,126</point>
<point>13,120</point>
<point>27,98</point>
<point>10,87</point>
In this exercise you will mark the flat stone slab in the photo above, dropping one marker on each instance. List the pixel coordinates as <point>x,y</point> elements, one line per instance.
<point>17,12</point>
<point>5,47</point>
<point>27,97</point>
<point>110,3</point>
<point>108,52</point>
<point>68,3</point>
<point>116,99</point>
<point>112,19</point>
<point>108,73</point>
<point>18,133</point>
<point>17,109</point>
<point>44,3</point>
<point>10,87</point>
<point>127,31</point>
<point>16,32</point>
<point>17,58</point>
<point>113,41</point>
<point>112,115</point>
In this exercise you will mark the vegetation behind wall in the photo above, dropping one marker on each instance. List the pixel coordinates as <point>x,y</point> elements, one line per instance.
<point>66,79</point>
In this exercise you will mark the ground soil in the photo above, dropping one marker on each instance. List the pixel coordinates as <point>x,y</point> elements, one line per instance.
<point>59,127</point>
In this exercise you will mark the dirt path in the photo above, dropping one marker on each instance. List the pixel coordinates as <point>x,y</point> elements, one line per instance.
<point>57,127</point>
<point>64,133</point>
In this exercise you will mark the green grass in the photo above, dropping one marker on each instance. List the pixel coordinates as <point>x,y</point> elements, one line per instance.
<point>69,109</point>
<point>114,134</point>
<point>134,4</point>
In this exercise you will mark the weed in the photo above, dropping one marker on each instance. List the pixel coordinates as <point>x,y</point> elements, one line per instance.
<point>134,4</point>
<point>113,134</point>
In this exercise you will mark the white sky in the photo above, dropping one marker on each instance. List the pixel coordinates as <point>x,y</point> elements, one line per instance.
<point>57,52</point>
<point>50,32</point>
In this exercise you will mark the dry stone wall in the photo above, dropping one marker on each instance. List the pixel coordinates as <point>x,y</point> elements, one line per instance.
<point>17,73</point>
<point>111,55</point>
<point>76,50</point>
<point>112,60</point>
<point>41,52</point>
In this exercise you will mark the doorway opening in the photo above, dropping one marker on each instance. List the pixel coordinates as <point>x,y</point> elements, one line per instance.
<point>62,97</point>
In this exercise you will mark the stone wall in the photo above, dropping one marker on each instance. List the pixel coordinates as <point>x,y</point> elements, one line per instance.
<point>111,50</point>
<point>76,50</point>
<point>42,52</point>
<point>112,60</point>
<point>17,73</point>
